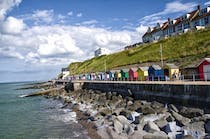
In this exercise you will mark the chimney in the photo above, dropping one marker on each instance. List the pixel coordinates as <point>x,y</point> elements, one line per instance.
<point>199,7</point>
<point>169,20</point>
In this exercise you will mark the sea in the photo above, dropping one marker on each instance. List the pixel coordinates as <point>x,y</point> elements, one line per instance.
<point>35,117</point>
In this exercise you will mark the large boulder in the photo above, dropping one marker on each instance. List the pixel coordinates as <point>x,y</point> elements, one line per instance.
<point>147,110</point>
<point>161,123</point>
<point>180,119</point>
<point>151,127</point>
<point>173,108</point>
<point>195,129</point>
<point>118,126</point>
<point>171,127</point>
<point>156,135</point>
<point>191,112</point>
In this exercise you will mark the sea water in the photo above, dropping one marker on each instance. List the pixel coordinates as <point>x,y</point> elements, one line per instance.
<point>35,117</point>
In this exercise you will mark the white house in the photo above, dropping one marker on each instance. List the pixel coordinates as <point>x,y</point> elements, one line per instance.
<point>101,51</point>
<point>197,19</point>
<point>65,73</point>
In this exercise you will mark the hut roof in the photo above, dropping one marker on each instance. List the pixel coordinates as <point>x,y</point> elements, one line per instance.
<point>156,67</point>
<point>134,69</point>
<point>205,59</point>
<point>144,68</point>
<point>113,71</point>
<point>125,70</point>
<point>173,66</point>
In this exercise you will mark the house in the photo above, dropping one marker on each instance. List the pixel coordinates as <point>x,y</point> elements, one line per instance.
<point>204,69</point>
<point>101,51</point>
<point>170,70</point>
<point>155,73</point>
<point>190,73</point>
<point>142,73</point>
<point>196,19</point>
<point>124,74</point>
<point>65,73</point>
<point>133,74</point>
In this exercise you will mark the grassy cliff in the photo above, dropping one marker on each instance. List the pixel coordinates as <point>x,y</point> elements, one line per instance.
<point>184,50</point>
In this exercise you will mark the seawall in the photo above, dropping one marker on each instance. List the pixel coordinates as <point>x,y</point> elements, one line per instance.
<point>196,94</point>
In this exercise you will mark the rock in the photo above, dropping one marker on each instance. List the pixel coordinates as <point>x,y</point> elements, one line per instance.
<point>170,118</point>
<point>105,111</point>
<point>109,95</point>
<point>149,117</point>
<point>180,119</point>
<point>129,103</point>
<point>151,127</point>
<point>207,126</point>
<point>118,126</point>
<point>171,127</point>
<point>187,137</point>
<point>191,112</point>
<point>195,129</point>
<point>173,108</point>
<point>161,123</point>
<point>136,121</point>
<point>147,110</point>
<point>125,113</point>
<point>175,135</point>
<point>122,119</point>
<point>128,129</point>
<point>156,135</point>
<point>137,135</point>
<point>114,135</point>
<point>132,116</point>
<point>156,105</point>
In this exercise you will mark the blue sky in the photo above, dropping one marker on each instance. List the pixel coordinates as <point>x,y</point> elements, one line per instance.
<point>39,37</point>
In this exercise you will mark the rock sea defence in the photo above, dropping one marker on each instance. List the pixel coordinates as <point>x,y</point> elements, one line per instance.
<point>113,116</point>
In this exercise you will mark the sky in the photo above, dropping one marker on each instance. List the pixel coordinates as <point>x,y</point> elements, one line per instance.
<point>39,37</point>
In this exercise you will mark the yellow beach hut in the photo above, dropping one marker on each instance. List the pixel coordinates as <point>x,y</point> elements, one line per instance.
<point>171,70</point>
<point>142,73</point>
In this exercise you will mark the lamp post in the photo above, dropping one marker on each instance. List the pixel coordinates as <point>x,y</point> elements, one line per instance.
<point>161,54</point>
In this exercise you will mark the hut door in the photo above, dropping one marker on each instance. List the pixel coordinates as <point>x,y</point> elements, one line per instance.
<point>206,71</point>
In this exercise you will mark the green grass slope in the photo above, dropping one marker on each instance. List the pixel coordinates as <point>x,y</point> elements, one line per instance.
<point>184,50</point>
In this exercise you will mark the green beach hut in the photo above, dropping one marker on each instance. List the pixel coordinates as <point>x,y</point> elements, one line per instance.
<point>124,74</point>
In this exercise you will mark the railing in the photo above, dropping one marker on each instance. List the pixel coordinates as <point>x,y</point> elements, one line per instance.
<point>184,77</point>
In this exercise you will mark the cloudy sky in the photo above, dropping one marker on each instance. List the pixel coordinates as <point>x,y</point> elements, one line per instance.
<point>39,37</point>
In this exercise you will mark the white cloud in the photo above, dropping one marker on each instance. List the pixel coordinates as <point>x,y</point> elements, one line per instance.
<point>12,25</point>
<point>79,15</point>
<point>207,3</point>
<point>89,22</point>
<point>170,8</point>
<point>43,16</point>
<point>10,52</point>
<point>64,44</point>
<point>7,5</point>
<point>70,13</point>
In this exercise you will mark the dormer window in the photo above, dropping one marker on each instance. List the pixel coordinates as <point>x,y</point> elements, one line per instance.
<point>203,11</point>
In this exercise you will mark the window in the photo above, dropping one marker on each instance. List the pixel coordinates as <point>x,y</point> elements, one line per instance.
<point>206,21</point>
<point>186,25</point>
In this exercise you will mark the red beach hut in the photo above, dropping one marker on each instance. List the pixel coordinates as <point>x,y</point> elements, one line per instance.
<point>133,74</point>
<point>204,69</point>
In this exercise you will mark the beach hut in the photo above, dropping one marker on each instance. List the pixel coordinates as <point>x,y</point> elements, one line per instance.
<point>171,70</point>
<point>142,73</point>
<point>124,74</point>
<point>111,75</point>
<point>117,75</point>
<point>133,74</point>
<point>204,69</point>
<point>156,73</point>
<point>190,73</point>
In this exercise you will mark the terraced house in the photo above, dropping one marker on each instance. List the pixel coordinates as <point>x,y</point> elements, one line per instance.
<point>197,19</point>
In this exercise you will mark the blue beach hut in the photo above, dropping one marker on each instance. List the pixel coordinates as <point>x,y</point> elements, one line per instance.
<point>156,73</point>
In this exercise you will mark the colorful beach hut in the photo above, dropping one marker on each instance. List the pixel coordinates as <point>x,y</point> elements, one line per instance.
<point>124,74</point>
<point>111,75</point>
<point>142,73</point>
<point>204,69</point>
<point>156,73</point>
<point>117,75</point>
<point>133,74</point>
<point>171,70</point>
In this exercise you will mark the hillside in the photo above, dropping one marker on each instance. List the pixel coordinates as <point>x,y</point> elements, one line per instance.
<point>185,50</point>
